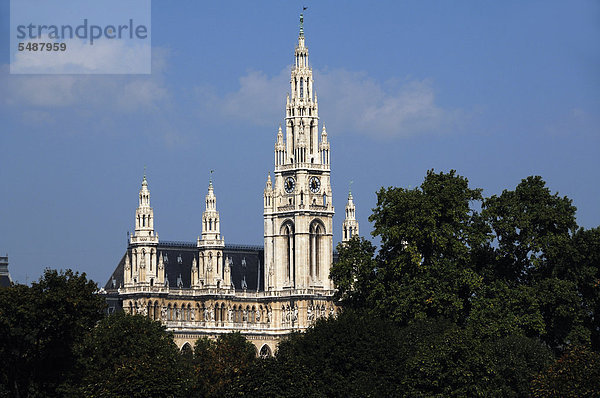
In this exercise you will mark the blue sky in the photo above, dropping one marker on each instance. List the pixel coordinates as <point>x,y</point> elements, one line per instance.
<point>496,90</point>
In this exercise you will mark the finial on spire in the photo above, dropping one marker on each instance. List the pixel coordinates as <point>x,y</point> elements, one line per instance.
<point>302,21</point>
<point>350,188</point>
<point>144,181</point>
<point>210,178</point>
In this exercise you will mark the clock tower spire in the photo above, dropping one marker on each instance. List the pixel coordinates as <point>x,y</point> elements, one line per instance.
<point>298,209</point>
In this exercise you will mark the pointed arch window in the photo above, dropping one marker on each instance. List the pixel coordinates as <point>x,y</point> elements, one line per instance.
<point>316,241</point>
<point>289,247</point>
<point>301,88</point>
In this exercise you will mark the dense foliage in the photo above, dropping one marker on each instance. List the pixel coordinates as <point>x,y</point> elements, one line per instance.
<point>466,296</point>
<point>129,356</point>
<point>40,327</point>
<point>511,267</point>
<point>219,363</point>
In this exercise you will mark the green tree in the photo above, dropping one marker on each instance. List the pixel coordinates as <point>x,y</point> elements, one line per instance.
<point>354,272</point>
<point>130,356</point>
<point>40,327</point>
<point>219,363</point>
<point>513,361</point>
<point>445,360</point>
<point>424,263</point>
<point>353,355</point>
<point>575,374</point>
<point>500,310</point>
<point>526,224</point>
<point>577,260</point>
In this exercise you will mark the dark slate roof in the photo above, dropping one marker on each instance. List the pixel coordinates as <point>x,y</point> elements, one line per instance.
<point>4,281</point>
<point>116,278</point>
<point>4,274</point>
<point>246,265</point>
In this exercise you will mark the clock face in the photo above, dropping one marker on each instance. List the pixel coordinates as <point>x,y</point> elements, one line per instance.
<point>289,184</point>
<point>315,184</point>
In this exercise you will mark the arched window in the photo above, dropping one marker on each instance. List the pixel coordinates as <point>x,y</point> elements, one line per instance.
<point>289,247</point>
<point>187,351</point>
<point>265,351</point>
<point>301,88</point>
<point>315,248</point>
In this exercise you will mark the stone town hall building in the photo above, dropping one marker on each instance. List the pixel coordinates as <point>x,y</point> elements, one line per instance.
<point>209,287</point>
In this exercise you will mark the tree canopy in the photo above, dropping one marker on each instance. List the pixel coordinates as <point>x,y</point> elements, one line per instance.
<point>40,326</point>
<point>511,267</point>
<point>130,356</point>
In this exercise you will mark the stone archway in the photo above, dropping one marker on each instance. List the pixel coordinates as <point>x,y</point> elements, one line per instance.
<point>265,351</point>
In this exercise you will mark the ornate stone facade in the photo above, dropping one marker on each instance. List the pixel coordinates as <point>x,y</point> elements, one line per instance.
<point>209,288</point>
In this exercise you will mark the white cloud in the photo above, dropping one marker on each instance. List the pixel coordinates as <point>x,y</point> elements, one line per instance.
<point>103,57</point>
<point>348,102</point>
<point>115,93</point>
<point>353,101</point>
<point>259,100</point>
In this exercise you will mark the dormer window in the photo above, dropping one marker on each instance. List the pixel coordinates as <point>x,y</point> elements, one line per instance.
<point>166,259</point>
<point>179,259</point>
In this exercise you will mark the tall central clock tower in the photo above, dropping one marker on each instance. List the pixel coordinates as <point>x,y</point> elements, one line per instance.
<point>298,209</point>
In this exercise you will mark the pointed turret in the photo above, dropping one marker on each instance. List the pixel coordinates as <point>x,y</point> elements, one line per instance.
<point>350,226</point>
<point>268,194</point>
<point>211,226</point>
<point>144,216</point>
<point>324,147</point>
<point>279,149</point>
<point>302,117</point>
<point>211,245</point>
<point>143,243</point>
